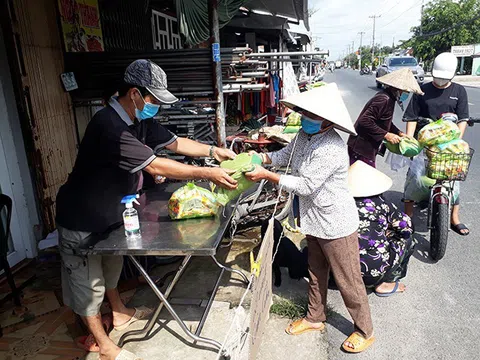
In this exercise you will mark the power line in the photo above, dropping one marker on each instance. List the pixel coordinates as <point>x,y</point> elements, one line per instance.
<point>399,16</point>
<point>449,28</point>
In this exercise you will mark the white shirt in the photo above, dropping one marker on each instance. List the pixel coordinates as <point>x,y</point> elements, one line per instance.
<point>320,179</point>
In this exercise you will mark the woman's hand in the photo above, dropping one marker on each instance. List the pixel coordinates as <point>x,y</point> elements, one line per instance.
<point>258,174</point>
<point>403,135</point>
<point>392,138</point>
<point>221,154</point>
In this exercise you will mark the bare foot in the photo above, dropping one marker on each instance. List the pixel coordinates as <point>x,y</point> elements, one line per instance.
<point>319,325</point>
<point>109,352</point>
<point>386,288</point>
<point>120,318</point>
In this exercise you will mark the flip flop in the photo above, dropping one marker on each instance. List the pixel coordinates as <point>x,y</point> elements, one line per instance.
<point>458,229</point>
<point>127,355</point>
<point>140,314</point>
<point>359,343</point>
<point>88,342</point>
<point>390,293</point>
<point>299,327</point>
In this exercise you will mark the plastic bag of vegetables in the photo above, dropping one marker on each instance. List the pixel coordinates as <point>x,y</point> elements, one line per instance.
<point>191,201</point>
<point>294,119</point>
<point>241,164</point>
<point>409,147</point>
<point>457,146</point>
<point>438,132</point>
<point>448,167</point>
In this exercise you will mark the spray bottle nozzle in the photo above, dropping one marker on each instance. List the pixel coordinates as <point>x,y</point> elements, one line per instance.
<point>129,199</point>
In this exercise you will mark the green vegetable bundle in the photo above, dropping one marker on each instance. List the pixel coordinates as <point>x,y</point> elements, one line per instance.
<point>407,147</point>
<point>191,201</point>
<point>241,164</point>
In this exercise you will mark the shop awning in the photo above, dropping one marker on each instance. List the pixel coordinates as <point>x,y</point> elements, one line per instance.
<point>194,22</point>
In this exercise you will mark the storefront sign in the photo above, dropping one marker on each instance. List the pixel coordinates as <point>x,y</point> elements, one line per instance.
<point>216,52</point>
<point>464,50</point>
<point>82,31</point>
<point>262,293</point>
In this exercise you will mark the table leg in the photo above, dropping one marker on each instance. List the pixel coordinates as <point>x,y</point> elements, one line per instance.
<point>153,320</point>
<point>215,288</point>
<point>170,309</point>
<point>244,277</point>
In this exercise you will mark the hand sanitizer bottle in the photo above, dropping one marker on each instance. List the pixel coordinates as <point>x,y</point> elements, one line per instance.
<point>130,218</point>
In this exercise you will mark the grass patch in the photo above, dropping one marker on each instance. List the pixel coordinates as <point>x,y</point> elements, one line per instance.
<point>290,309</point>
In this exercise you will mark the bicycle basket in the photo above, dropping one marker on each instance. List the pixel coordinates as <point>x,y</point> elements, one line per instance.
<point>448,166</point>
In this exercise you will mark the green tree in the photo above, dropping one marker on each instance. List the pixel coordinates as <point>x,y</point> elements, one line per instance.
<point>434,35</point>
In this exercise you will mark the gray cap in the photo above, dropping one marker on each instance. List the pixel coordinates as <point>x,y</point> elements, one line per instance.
<point>149,75</point>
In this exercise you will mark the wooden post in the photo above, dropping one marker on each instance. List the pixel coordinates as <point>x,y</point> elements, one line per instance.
<point>217,72</point>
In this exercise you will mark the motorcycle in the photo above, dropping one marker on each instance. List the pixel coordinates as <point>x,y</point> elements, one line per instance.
<point>365,71</point>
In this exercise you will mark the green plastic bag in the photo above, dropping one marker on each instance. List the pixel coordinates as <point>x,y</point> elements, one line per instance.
<point>241,164</point>
<point>291,129</point>
<point>438,132</point>
<point>410,147</point>
<point>294,119</point>
<point>393,148</point>
<point>191,201</point>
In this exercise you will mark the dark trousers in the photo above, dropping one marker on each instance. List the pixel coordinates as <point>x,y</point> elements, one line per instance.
<point>342,257</point>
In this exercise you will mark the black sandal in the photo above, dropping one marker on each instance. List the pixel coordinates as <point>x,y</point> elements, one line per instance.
<point>458,229</point>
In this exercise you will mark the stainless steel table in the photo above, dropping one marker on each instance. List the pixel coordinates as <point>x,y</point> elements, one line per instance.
<point>162,236</point>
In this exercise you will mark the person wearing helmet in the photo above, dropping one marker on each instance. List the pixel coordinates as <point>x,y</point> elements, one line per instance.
<point>442,96</point>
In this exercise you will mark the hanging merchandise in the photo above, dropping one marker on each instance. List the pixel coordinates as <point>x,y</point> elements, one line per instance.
<point>290,85</point>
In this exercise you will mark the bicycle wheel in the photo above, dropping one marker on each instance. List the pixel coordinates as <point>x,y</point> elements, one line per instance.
<point>439,230</point>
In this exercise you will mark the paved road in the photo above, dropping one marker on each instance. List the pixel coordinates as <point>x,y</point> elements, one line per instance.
<point>439,315</point>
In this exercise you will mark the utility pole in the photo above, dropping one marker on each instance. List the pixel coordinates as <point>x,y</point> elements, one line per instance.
<point>217,72</point>
<point>360,51</point>
<point>421,18</point>
<point>374,17</point>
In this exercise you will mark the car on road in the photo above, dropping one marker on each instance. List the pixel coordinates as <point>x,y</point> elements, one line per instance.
<point>338,64</point>
<point>398,62</point>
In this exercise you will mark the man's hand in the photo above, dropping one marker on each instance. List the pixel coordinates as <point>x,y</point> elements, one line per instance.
<point>392,138</point>
<point>258,174</point>
<point>221,178</point>
<point>221,154</point>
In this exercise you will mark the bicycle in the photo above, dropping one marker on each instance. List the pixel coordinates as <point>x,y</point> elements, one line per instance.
<point>446,169</point>
<point>258,204</point>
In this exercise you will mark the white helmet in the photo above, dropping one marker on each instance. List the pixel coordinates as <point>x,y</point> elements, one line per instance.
<point>445,66</point>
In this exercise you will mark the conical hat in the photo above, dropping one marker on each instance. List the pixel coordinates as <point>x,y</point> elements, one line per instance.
<point>364,180</point>
<point>402,79</point>
<point>326,102</point>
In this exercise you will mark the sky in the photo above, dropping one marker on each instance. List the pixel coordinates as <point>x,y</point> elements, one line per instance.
<point>337,22</point>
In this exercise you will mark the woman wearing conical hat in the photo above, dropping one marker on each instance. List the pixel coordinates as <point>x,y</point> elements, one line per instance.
<point>328,214</point>
<point>375,123</point>
<point>385,234</point>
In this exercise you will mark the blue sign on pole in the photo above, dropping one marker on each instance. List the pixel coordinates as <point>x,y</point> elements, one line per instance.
<point>216,52</point>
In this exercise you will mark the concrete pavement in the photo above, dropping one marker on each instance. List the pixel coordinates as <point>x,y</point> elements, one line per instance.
<point>439,315</point>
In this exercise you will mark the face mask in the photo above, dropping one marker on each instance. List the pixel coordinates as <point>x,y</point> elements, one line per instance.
<point>148,112</point>
<point>403,97</point>
<point>441,82</point>
<point>310,127</point>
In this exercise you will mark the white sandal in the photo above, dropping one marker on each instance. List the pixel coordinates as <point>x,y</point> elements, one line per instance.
<point>127,355</point>
<point>140,314</point>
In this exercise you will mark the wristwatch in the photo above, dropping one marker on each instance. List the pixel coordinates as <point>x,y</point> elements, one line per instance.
<point>212,148</point>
